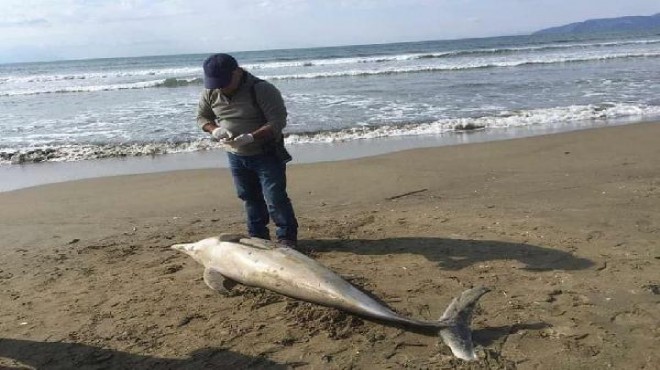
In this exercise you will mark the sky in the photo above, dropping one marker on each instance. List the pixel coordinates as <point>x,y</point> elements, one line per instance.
<point>42,30</point>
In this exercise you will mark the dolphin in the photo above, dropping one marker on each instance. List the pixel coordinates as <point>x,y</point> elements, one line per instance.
<point>230,259</point>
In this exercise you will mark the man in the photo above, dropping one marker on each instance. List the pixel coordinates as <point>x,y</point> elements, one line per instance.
<point>247,116</point>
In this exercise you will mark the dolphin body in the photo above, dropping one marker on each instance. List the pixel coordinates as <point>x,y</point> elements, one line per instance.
<point>231,259</point>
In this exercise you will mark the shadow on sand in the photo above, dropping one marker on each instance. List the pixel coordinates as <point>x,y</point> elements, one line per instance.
<point>58,355</point>
<point>456,254</point>
<point>488,336</point>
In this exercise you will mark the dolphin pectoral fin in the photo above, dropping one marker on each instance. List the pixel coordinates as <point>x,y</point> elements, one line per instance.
<point>259,243</point>
<point>458,316</point>
<point>227,237</point>
<point>217,281</point>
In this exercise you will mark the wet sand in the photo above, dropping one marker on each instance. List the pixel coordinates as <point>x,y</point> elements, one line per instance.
<point>564,228</point>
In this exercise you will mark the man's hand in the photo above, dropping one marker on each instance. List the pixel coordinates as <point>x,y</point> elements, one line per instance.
<point>241,140</point>
<point>220,134</point>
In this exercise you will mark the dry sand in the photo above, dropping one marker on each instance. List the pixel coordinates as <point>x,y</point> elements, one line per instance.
<point>564,228</point>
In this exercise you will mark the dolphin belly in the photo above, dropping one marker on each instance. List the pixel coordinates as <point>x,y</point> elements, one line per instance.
<point>293,274</point>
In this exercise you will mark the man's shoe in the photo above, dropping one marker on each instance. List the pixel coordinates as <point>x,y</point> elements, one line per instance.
<point>287,242</point>
<point>264,237</point>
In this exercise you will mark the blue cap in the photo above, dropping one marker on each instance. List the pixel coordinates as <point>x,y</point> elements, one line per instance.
<point>218,69</point>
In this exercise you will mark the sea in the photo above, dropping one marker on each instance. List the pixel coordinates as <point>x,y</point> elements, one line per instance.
<point>343,102</point>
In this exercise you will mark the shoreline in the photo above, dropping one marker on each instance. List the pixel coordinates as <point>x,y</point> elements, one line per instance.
<point>564,229</point>
<point>22,176</point>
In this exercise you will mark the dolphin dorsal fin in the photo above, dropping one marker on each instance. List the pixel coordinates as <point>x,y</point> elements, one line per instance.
<point>227,237</point>
<point>259,243</point>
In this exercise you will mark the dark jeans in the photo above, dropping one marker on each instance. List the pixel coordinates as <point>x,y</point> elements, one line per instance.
<point>261,183</point>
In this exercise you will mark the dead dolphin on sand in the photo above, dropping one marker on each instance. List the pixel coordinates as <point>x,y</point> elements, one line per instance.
<point>231,259</point>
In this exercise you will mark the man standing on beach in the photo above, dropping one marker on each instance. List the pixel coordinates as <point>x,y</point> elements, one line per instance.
<point>247,116</point>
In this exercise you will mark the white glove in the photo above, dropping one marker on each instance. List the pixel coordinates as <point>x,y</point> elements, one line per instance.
<point>220,134</point>
<point>241,140</point>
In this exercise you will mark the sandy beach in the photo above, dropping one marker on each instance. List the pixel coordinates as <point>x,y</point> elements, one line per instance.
<point>564,228</point>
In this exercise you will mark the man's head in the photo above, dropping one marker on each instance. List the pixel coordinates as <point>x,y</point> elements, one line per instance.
<point>220,71</point>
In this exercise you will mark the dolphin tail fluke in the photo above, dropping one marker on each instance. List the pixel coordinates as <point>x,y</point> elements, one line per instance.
<point>458,316</point>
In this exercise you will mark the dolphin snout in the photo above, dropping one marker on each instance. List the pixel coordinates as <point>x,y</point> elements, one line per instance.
<point>185,248</point>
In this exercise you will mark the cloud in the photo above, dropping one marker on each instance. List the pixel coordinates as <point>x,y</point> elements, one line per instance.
<point>19,12</point>
<point>107,28</point>
<point>37,22</point>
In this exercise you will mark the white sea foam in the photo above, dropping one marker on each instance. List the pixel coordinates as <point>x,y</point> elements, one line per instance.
<point>538,117</point>
<point>109,87</point>
<point>69,153</point>
<point>465,65</point>
<point>111,74</point>
<point>342,61</point>
<point>550,117</point>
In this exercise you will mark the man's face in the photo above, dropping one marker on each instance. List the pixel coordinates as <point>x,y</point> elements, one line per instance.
<point>235,81</point>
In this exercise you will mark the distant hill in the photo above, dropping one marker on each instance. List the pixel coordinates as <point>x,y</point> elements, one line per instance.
<point>621,24</point>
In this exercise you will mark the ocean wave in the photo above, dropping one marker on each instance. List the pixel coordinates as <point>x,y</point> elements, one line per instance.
<point>365,65</point>
<point>540,48</point>
<point>167,83</point>
<point>476,64</point>
<point>111,74</point>
<point>549,117</point>
<point>179,82</point>
<point>69,153</point>
<point>437,55</point>
<point>191,71</point>
<point>504,119</point>
<point>465,65</point>
<point>293,63</point>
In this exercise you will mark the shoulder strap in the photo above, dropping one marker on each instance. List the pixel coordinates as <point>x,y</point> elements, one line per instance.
<point>255,102</point>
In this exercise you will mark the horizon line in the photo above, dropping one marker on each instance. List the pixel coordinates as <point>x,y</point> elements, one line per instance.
<point>259,50</point>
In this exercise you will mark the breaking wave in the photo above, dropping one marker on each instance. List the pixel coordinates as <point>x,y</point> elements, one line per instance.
<point>444,54</point>
<point>168,83</point>
<point>549,117</point>
<point>469,64</point>
<point>476,64</point>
